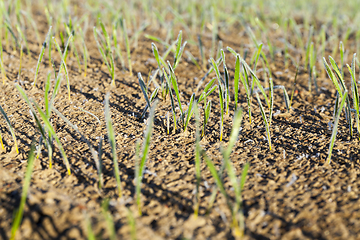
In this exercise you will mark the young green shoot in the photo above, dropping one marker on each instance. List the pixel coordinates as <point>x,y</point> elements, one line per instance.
<point>92,151</point>
<point>237,223</point>
<point>307,54</point>
<point>266,121</point>
<point>140,168</point>
<point>63,60</point>
<point>227,89</point>
<point>355,92</point>
<point>42,54</point>
<point>11,130</point>
<point>179,50</point>
<point>176,89</point>
<point>197,160</point>
<point>189,111</point>
<point>109,220</point>
<point>294,85</point>
<point>144,91</point>
<point>19,212</point>
<point>221,97</point>
<point>106,51</point>
<point>207,111</point>
<point>127,44</point>
<point>132,223</point>
<point>335,127</point>
<point>238,218</point>
<point>171,99</point>
<point>111,136</point>
<point>340,91</point>
<point>236,81</point>
<point>48,128</point>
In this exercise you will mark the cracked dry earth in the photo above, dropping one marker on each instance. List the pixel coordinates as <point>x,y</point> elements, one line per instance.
<point>288,193</point>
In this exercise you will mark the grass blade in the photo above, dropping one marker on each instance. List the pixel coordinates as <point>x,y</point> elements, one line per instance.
<point>26,185</point>
<point>176,89</point>
<point>189,111</point>
<point>206,117</point>
<point>236,80</point>
<point>197,160</point>
<point>221,98</point>
<point>171,98</point>
<point>143,159</point>
<point>267,126</point>
<point>42,54</point>
<point>111,136</point>
<point>92,151</point>
<point>127,44</point>
<point>334,132</point>
<point>10,128</point>
<point>51,131</point>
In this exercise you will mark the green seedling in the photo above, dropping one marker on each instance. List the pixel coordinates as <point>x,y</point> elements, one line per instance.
<point>312,68</point>
<point>235,208</point>
<point>294,85</point>
<point>192,59</point>
<point>207,111</point>
<point>265,119</point>
<point>50,129</point>
<point>176,89</point>
<point>23,39</point>
<point>63,61</point>
<point>197,160</point>
<point>218,51</point>
<point>244,77</point>
<point>42,53</point>
<point>179,50</point>
<point>21,58</point>
<point>108,218</point>
<point>171,99</point>
<point>11,130</point>
<point>135,36</point>
<point>161,63</point>
<point>92,151</point>
<point>111,136</point>
<point>341,48</point>
<point>227,89</point>
<point>214,31</point>
<point>132,223</point>
<point>117,46</point>
<point>47,125</point>
<point>209,88</point>
<point>340,89</point>
<point>90,232</point>
<point>127,44</point>
<point>144,91</point>
<point>308,47</point>
<point>106,51</point>
<point>20,211</point>
<point>221,97</point>
<point>202,54</point>
<point>355,92</point>
<point>189,112</point>
<point>335,127</point>
<point>2,69</point>
<point>140,166</point>
<point>211,69</point>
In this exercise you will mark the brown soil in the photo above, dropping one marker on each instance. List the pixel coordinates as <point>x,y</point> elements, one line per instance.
<point>288,194</point>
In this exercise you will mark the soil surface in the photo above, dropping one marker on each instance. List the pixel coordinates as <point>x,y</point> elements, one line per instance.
<point>288,193</point>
